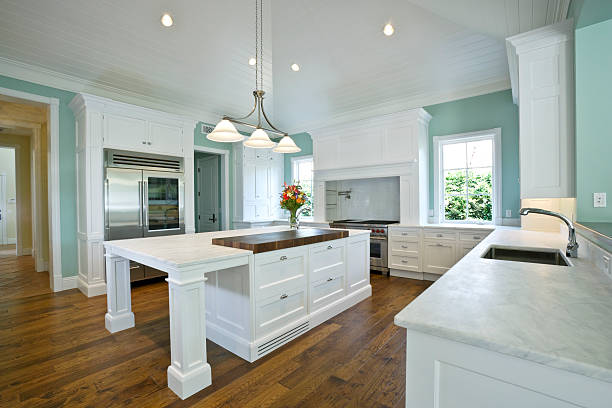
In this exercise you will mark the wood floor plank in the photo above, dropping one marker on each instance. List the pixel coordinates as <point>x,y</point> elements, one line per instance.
<point>57,353</point>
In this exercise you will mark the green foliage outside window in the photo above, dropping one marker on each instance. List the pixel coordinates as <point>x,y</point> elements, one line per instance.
<point>476,204</point>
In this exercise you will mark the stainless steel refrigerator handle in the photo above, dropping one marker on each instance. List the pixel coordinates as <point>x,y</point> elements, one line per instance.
<point>106,204</point>
<point>140,201</point>
<point>145,203</point>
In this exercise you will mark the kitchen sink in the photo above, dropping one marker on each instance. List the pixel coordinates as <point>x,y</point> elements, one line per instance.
<point>550,257</point>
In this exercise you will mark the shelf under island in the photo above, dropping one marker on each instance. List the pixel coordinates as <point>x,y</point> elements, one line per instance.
<point>253,301</point>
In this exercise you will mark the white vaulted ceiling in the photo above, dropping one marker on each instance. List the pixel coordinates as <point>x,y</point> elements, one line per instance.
<point>441,50</point>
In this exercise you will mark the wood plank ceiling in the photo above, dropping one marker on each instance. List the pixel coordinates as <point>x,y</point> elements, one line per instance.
<point>441,50</point>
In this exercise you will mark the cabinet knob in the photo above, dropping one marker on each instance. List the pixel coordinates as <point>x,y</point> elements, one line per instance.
<point>284,296</point>
<point>329,247</point>
<point>439,235</point>
<point>283,258</point>
<point>149,143</point>
<point>330,279</point>
<point>144,142</point>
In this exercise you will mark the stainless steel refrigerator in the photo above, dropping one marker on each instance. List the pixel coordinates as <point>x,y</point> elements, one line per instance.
<point>144,196</point>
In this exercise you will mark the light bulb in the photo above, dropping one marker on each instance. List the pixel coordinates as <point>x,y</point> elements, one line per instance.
<point>252,61</point>
<point>295,67</point>
<point>388,30</point>
<point>166,20</point>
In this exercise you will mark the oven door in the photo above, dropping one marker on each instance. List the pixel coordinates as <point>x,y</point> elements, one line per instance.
<point>378,253</point>
<point>163,203</point>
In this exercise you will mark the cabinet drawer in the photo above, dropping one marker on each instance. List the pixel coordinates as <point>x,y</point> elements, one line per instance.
<point>326,291</point>
<point>405,246</point>
<point>404,262</point>
<point>278,271</point>
<point>440,234</point>
<point>327,259</point>
<point>406,234</point>
<point>473,236</point>
<point>274,312</point>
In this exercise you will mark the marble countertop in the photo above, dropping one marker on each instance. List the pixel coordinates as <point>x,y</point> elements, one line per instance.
<point>191,249</point>
<point>553,315</point>
<point>448,226</point>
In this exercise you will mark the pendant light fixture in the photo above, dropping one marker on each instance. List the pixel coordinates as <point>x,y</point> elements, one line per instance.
<point>225,131</point>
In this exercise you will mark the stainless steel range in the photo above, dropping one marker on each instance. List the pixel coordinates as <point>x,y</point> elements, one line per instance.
<point>378,239</point>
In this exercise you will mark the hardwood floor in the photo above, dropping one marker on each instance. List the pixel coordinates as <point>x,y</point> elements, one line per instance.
<point>57,353</point>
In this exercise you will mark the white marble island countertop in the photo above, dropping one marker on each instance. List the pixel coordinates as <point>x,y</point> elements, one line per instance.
<point>559,316</point>
<point>189,249</point>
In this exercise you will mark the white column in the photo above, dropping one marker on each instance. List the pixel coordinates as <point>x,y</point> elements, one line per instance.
<point>189,372</point>
<point>119,299</point>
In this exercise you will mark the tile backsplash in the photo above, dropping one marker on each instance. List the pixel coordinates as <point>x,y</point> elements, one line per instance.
<point>375,198</point>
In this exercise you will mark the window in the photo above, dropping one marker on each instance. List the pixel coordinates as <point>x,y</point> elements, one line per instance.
<point>301,171</point>
<point>467,177</point>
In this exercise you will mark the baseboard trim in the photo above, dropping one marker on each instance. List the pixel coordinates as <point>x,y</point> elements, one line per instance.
<point>406,274</point>
<point>91,290</point>
<point>69,282</point>
<point>24,252</point>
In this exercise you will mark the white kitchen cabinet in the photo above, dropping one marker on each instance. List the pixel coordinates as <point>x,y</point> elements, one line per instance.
<point>100,124</point>
<point>357,262</point>
<point>463,250</point>
<point>123,132</point>
<point>542,75</point>
<point>165,139</point>
<point>258,179</point>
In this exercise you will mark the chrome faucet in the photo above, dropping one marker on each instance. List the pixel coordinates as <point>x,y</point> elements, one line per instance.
<point>572,245</point>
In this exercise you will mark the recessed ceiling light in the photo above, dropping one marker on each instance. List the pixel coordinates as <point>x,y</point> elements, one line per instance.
<point>166,20</point>
<point>388,30</point>
<point>295,67</point>
<point>252,61</point>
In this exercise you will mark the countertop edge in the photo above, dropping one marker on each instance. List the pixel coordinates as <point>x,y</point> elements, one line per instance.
<point>558,362</point>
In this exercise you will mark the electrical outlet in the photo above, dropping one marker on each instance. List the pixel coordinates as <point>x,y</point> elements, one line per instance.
<point>599,200</point>
<point>508,213</point>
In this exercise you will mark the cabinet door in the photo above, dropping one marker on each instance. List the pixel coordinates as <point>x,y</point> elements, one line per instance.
<point>166,139</point>
<point>463,250</point>
<point>125,132</point>
<point>438,257</point>
<point>357,263</point>
<point>262,210</point>
<point>261,181</point>
<point>250,181</point>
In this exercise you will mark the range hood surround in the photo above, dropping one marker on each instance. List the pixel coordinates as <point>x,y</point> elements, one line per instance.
<point>394,145</point>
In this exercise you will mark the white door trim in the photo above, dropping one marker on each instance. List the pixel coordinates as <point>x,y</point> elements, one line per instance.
<point>55,253</point>
<point>225,180</point>
<point>3,205</point>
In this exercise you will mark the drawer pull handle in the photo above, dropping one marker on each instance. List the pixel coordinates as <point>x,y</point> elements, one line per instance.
<point>404,261</point>
<point>476,237</point>
<point>284,296</point>
<point>283,258</point>
<point>440,245</point>
<point>439,235</point>
<point>329,247</point>
<point>404,233</point>
<point>330,279</point>
<point>404,246</point>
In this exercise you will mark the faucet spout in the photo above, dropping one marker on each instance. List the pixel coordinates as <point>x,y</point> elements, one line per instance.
<point>572,245</point>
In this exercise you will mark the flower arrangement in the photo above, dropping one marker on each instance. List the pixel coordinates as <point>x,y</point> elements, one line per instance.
<point>292,198</point>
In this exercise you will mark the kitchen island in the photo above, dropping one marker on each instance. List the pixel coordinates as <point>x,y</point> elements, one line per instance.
<point>252,303</point>
<point>511,334</point>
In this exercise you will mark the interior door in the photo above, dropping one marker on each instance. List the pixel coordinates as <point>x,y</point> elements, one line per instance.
<point>3,206</point>
<point>164,197</point>
<point>123,203</point>
<point>208,193</point>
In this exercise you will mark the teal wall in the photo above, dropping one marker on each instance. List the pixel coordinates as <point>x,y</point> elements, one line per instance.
<point>588,12</point>
<point>66,167</point>
<point>594,116</point>
<point>304,142</point>
<point>481,113</point>
<point>199,139</point>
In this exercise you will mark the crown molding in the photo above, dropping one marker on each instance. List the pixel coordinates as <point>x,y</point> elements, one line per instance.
<point>400,105</point>
<point>46,77</point>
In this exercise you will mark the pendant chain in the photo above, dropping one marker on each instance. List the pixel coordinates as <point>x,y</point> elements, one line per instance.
<point>259,44</point>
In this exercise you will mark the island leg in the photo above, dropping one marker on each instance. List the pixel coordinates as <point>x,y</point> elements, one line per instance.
<point>189,372</point>
<point>119,315</point>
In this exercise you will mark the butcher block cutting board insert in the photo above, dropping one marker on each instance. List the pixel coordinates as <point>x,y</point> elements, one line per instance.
<point>272,241</point>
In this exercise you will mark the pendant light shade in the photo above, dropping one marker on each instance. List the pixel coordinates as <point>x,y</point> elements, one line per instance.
<point>225,132</point>
<point>259,139</point>
<point>286,145</point>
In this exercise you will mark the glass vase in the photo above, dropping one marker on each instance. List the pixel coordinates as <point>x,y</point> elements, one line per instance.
<point>294,222</point>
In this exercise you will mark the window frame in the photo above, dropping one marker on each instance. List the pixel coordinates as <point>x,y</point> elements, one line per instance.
<point>438,142</point>
<point>294,163</point>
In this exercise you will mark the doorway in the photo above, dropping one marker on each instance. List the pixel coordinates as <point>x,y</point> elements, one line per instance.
<point>208,194</point>
<point>8,201</point>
